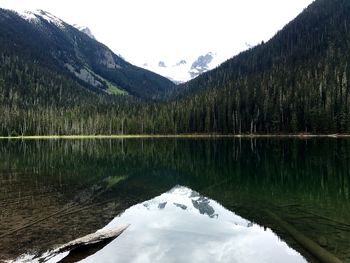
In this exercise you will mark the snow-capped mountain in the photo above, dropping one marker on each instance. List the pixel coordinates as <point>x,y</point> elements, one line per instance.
<point>63,49</point>
<point>178,71</point>
<point>185,69</point>
<point>37,15</point>
<point>201,65</point>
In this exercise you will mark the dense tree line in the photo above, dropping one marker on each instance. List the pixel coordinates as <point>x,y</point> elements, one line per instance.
<point>296,82</point>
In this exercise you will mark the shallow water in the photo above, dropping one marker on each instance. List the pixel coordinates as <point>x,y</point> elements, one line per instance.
<point>55,191</point>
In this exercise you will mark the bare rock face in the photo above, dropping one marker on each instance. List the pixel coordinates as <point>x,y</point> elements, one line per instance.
<point>88,77</point>
<point>85,75</point>
<point>108,60</point>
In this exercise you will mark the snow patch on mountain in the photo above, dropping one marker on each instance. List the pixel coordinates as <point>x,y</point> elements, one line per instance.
<point>35,16</point>
<point>185,69</point>
<point>27,15</point>
<point>201,65</point>
<point>85,30</point>
<point>50,18</point>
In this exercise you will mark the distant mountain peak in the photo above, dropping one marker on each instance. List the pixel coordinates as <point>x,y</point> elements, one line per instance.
<point>201,65</point>
<point>161,64</point>
<point>85,30</point>
<point>181,62</point>
<point>184,69</point>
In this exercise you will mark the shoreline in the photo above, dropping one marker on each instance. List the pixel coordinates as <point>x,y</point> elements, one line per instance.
<point>173,136</point>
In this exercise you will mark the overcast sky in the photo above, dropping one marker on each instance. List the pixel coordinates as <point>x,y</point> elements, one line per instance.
<point>171,30</point>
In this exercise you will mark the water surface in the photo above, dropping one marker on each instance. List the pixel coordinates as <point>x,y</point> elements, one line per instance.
<point>55,191</point>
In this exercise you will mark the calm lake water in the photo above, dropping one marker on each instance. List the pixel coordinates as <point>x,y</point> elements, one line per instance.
<point>186,200</point>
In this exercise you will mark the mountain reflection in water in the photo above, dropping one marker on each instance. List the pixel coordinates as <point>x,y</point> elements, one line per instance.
<point>183,226</point>
<point>72,188</point>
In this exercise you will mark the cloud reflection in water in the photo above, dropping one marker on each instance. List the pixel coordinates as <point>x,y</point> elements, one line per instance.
<point>182,226</point>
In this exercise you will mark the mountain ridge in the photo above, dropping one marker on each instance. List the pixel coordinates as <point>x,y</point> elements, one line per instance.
<point>51,41</point>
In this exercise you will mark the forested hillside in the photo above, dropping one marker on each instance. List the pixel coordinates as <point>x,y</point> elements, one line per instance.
<point>45,39</point>
<point>296,82</point>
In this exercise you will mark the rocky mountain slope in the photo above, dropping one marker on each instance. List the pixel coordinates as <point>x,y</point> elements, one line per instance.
<point>41,37</point>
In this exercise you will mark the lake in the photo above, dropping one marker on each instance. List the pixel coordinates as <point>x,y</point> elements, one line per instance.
<point>186,200</point>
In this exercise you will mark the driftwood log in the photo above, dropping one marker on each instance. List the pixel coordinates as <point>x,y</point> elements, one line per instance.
<point>93,238</point>
<point>85,246</point>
